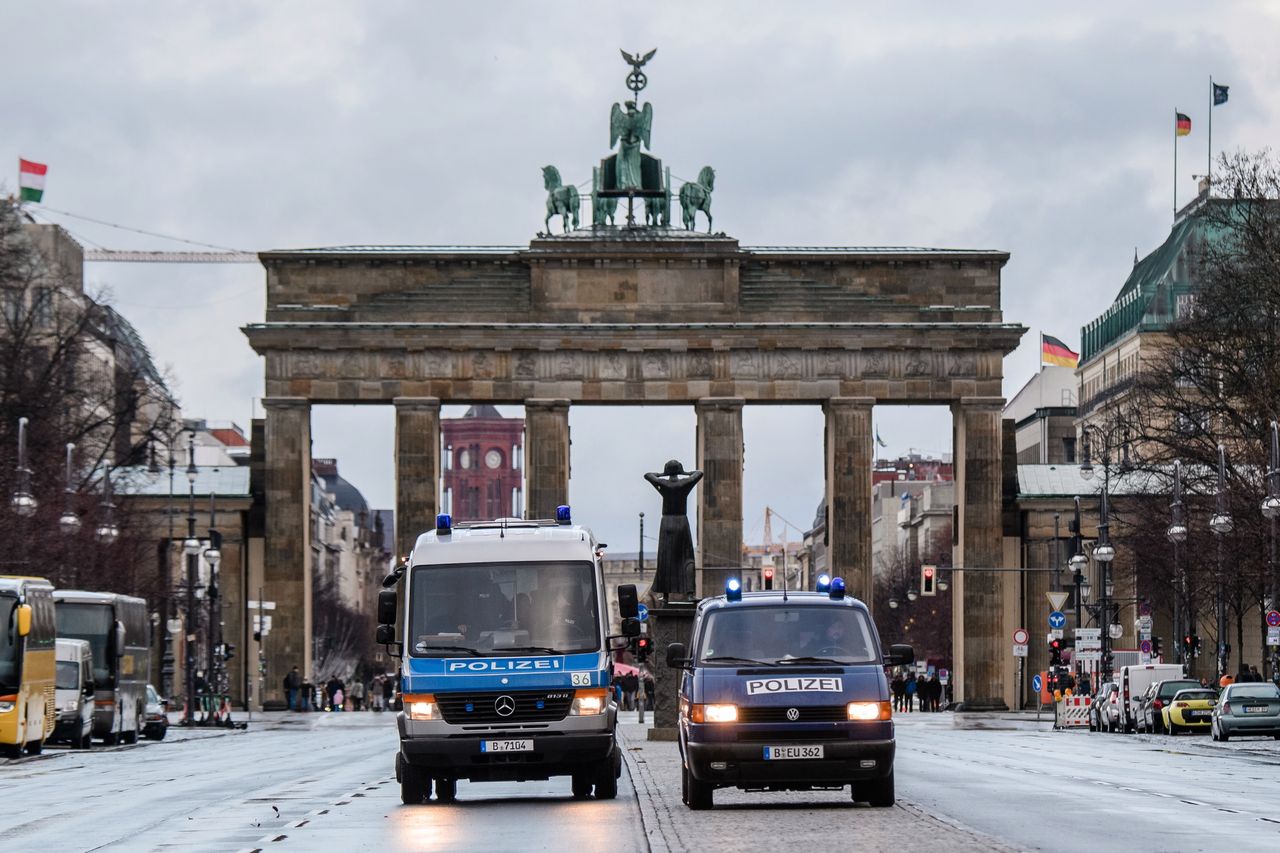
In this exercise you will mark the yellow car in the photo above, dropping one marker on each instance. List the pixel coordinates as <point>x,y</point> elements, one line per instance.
<point>1189,711</point>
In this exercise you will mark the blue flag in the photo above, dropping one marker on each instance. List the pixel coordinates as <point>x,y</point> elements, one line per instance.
<point>879,440</point>
<point>1219,94</point>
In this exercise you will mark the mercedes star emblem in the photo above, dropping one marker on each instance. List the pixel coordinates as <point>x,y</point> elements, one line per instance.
<point>793,714</point>
<point>505,706</point>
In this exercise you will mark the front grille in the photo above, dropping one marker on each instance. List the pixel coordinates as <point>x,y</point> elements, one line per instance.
<point>792,736</point>
<point>807,714</point>
<point>531,706</point>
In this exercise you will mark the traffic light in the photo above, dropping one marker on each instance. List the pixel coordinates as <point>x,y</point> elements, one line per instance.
<point>1055,652</point>
<point>228,651</point>
<point>1191,645</point>
<point>642,649</point>
<point>928,580</point>
<point>768,578</point>
<point>1155,647</point>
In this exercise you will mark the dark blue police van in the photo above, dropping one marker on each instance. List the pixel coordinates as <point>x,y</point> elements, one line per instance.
<point>785,691</point>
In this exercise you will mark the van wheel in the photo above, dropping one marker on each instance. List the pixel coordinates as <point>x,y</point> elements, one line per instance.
<point>700,796</point>
<point>110,739</point>
<point>877,792</point>
<point>86,742</point>
<point>446,790</point>
<point>414,788</point>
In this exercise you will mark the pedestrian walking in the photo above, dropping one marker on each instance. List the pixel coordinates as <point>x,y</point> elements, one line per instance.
<point>910,690</point>
<point>308,695</point>
<point>357,694</point>
<point>644,695</point>
<point>630,685</point>
<point>899,687</point>
<point>389,692</point>
<point>292,684</point>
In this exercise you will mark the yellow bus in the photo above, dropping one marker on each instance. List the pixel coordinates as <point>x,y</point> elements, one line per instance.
<point>28,628</point>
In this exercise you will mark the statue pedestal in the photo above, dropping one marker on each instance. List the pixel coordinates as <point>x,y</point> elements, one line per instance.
<point>672,623</point>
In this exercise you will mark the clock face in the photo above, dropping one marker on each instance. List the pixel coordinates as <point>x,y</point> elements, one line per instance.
<point>493,458</point>
<point>464,459</point>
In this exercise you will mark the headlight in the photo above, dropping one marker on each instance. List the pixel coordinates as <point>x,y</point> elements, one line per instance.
<point>713,713</point>
<point>421,707</point>
<point>587,703</point>
<point>6,706</point>
<point>864,711</point>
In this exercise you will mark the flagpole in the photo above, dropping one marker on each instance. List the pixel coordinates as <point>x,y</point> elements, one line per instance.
<point>1209,173</point>
<point>1175,163</point>
<point>1044,421</point>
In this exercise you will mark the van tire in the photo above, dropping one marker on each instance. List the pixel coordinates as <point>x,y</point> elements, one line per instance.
<point>699,796</point>
<point>86,742</point>
<point>446,790</point>
<point>581,785</point>
<point>878,793</point>
<point>414,788</point>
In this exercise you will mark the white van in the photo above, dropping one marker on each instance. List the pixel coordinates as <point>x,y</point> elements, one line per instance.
<point>1134,681</point>
<point>73,695</point>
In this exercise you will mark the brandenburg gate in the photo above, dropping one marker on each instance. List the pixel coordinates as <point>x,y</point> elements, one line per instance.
<point>641,313</point>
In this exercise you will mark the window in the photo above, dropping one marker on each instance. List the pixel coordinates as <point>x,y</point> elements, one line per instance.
<point>1069,450</point>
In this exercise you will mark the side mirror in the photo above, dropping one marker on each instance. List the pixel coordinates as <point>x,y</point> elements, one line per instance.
<point>387,607</point>
<point>24,620</point>
<point>118,637</point>
<point>628,602</point>
<point>900,654</point>
<point>677,655</point>
<point>631,627</point>
<point>385,634</point>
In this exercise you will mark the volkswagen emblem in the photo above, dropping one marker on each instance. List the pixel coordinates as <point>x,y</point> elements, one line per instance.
<point>505,706</point>
<point>793,714</point>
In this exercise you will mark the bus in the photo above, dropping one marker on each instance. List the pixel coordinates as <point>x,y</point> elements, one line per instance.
<point>28,709</point>
<point>504,671</point>
<point>116,629</point>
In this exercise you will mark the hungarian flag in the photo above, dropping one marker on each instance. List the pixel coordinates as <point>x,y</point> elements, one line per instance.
<point>1182,124</point>
<point>1054,351</point>
<point>31,180</point>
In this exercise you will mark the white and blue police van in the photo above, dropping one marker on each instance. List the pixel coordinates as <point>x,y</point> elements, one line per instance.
<point>785,691</point>
<point>504,664</point>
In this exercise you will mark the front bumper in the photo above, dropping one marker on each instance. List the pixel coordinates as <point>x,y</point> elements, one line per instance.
<point>744,764</point>
<point>553,754</point>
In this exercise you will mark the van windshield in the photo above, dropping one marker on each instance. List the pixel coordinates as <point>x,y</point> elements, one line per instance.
<point>90,622</point>
<point>8,644</point>
<point>504,608</point>
<point>776,634</point>
<point>68,675</point>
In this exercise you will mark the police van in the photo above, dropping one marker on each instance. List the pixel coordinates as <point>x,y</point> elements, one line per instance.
<point>785,691</point>
<point>504,663</point>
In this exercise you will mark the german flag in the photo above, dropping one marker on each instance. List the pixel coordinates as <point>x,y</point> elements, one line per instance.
<point>1054,351</point>
<point>1181,124</point>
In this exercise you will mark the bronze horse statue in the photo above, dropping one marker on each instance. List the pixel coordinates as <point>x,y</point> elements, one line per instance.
<point>697,196</point>
<point>562,201</point>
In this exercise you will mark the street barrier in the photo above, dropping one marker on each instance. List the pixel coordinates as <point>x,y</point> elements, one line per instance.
<point>1071,712</point>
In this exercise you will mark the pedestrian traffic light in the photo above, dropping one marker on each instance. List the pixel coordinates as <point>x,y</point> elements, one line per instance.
<point>928,580</point>
<point>1191,645</point>
<point>768,578</point>
<point>642,649</point>
<point>1155,647</point>
<point>228,651</point>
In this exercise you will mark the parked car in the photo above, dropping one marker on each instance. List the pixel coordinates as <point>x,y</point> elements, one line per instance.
<point>1104,708</point>
<point>1190,711</point>
<point>73,693</point>
<point>155,716</point>
<point>1247,709</point>
<point>1159,694</point>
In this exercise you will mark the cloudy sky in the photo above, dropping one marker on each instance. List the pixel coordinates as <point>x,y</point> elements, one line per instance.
<point>1040,129</point>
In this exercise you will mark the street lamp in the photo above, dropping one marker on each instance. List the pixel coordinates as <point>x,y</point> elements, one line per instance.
<point>106,532</point>
<point>69,521</point>
<point>893,602</point>
<point>1221,524</point>
<point>191,548</point>
<point>1271,511</point>
<point>1177,534</point>
<point>1104,552</point>
<point>24,502</point>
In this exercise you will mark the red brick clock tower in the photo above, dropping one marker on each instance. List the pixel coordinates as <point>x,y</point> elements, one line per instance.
<point>483,465</point>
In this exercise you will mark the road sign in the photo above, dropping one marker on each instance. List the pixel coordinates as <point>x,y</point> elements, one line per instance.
<point>1144,608</point>
<point>1144,625</point>
<point>1020,636</point>
<point>1145,647</point>
<point>1036,683</point>
<point>1273,618</point>
<point>1057,599</point>
<point>1055,634</point>
<point>1088,639</point>
<point>1019,650</point>
<point>264,605</point>
<point>262,624</point>
<point>1273,636</point>
<point>1094,656</point>
<point>944,675</point>
<point>1057,620</point>
<point>642,613</point>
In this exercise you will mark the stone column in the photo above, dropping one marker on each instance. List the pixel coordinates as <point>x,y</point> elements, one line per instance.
<point>720,492</point>
<point>546,456</point>
<point>849,462</point>
<point>287,540</point>
<point>417,468</point>
<point>979,647</point>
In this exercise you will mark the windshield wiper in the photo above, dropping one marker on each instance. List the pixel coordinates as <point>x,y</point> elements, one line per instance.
<point>473,652</point>
<point>544,649</point>
<point>733,659</point>
<point>812,659</point>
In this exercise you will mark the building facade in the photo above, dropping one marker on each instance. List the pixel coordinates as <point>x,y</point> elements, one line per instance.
<point>483,476</point>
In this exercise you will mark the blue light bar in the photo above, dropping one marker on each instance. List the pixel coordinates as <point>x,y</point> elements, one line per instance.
<point>562,515</point>
<point>837,589</point>
<point>733,589</point>
<point>444,524</point>
<point>824,582</point>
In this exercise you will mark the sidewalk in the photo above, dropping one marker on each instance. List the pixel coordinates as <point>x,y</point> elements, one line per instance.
<point>764,821</point>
